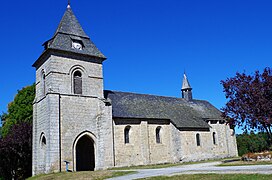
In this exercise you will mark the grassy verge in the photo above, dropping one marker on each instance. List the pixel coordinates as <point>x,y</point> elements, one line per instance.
<point>214,177</point>
<point>245,163</point>
<point>157,166</point>
<point>96,175</point>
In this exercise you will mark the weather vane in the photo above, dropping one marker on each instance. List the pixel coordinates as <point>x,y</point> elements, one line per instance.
<point>69,2</point>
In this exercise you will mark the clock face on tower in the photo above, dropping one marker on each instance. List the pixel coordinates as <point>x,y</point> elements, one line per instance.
<point>76,45</point>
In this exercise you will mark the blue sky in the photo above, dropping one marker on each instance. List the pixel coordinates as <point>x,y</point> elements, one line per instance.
<point>149,43</point>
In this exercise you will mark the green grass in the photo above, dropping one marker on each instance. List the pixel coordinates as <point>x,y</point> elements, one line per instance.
<point>96,175</point>
<point>246,163</point>
<point>158,166</point>
<point>214,177</point>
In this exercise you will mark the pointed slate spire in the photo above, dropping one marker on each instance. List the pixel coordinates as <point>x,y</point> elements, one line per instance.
<point>70,25</point>
<point>70,39</point>
<point>186,89</point>
<point>185,83</point>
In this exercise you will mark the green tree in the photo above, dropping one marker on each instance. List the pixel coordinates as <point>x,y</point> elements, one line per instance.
<point>249,100</point>
<point>19,110</point>
<point>252,142</point>
<point>16,152</point>
<point>16,140</point>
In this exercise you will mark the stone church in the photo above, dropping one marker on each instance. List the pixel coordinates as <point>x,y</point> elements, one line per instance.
<point>76,120</point>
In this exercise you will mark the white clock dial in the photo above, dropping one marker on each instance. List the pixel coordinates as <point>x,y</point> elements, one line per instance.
<point>77,45</point>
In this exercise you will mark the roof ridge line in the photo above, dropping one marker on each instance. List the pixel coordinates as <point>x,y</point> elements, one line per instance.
<point>145,94</point>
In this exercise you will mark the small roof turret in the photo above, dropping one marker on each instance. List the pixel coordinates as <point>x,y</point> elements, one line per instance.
<point>186,90</point>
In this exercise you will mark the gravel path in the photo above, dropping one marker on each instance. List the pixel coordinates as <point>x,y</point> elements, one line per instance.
<point>201,168</point>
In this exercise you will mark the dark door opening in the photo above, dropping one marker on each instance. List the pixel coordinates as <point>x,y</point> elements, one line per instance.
<point>85,159</point>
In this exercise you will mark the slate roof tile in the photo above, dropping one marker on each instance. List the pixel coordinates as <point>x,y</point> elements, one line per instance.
<point>182,113</point>
<point>69,30</point>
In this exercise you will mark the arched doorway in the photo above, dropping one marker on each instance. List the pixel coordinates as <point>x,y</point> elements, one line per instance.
<point>85,158</point>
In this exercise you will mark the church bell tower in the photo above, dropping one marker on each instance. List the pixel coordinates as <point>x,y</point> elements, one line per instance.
<point>71,121</point>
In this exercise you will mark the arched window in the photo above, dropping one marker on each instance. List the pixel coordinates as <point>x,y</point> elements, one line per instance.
<point>42,140</point>
<point>197,139</point>
<point>77,78</point>
<point>43,83</point>
<point>214,138</point>
<point>158,134</point>
<point>126,134</point>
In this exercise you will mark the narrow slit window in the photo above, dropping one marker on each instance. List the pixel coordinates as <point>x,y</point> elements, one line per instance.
<point>158,135</point>
<point>42,140</point>
<point>197,139</point>
<point>43,83</point>
<point>77,82</point>
<point>126,134</point>
<point>214,138</point>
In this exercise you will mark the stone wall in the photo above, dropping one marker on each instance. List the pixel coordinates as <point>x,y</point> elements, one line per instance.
<point>62,117</point>
<point>86,116</point>
<point>46,123</point>
<point>142,147</point>
<point>176,145</point>
<point>225,143</point>
<point>159,152</point>
<point>59,74</point>
<point>192,152</point>
<point>226,139</point>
